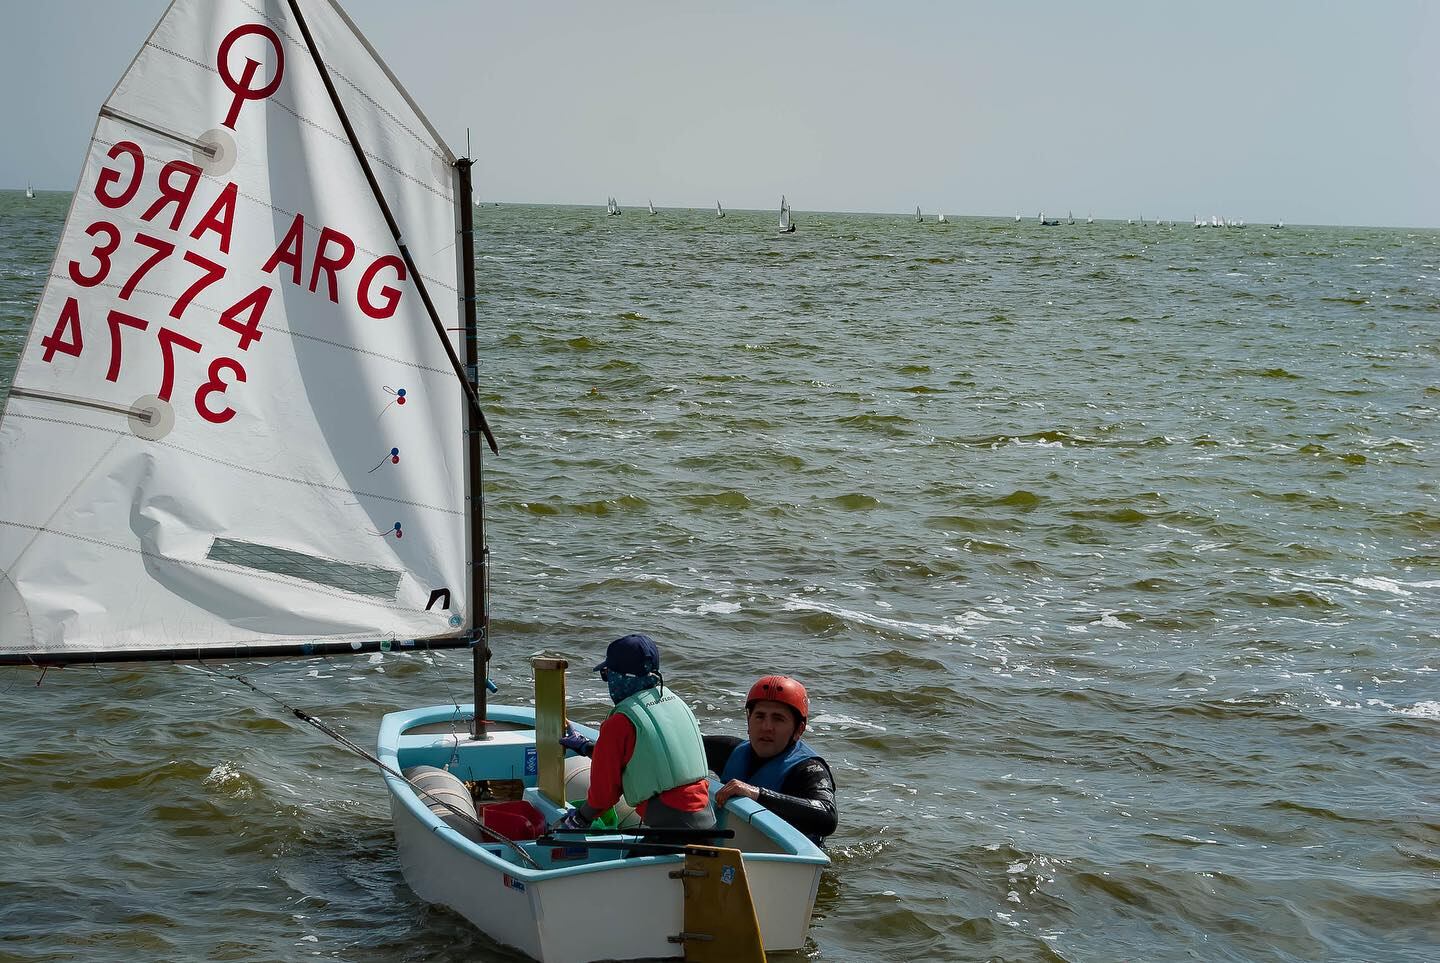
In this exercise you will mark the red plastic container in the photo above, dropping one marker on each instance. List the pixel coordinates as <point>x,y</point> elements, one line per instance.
<point>514,820</point>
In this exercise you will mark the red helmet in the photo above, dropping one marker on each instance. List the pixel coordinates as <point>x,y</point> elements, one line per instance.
<point>782,689</point>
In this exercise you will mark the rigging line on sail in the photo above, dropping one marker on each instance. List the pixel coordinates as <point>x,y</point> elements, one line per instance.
<point>371,758</point>
<point>394,226</point>
<point>209,150</point>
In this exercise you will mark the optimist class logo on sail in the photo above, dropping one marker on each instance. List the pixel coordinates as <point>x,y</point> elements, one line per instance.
<point>241,87</point>
<point>164,234</point>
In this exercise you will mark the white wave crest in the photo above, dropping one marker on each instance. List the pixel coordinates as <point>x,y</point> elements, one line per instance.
<point>916,629</point>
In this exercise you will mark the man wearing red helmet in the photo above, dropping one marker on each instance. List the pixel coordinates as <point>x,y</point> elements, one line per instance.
<point>775,767</point>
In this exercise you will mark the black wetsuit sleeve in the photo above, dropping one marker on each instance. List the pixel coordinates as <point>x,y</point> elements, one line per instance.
<point>718,750</point>
<point>808,800</point>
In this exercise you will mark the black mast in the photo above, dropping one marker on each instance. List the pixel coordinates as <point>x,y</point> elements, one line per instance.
<point>474,453</point>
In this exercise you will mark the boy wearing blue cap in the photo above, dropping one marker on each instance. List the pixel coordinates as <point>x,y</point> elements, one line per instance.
<point>649,747</point>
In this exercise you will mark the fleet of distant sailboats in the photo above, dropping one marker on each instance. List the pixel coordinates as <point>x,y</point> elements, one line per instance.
<point>1216,221</point>
<point>787,219</point>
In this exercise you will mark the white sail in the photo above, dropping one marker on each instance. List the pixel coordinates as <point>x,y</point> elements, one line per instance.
<point>719,211</point>
<point>652,206</point>
<point>784,214</point>
<point>918,218</point>
<point>232,422</point>
<point>29,192</point>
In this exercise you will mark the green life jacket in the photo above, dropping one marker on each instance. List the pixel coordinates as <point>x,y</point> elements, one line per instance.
<point>668,749</point>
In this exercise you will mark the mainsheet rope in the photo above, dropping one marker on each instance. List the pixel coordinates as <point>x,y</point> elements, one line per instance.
<point>370,757</point>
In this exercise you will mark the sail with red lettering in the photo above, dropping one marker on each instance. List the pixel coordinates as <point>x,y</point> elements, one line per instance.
<point>234,428</point>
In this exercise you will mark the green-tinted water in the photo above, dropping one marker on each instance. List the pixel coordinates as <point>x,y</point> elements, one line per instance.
<point>1111,556</point>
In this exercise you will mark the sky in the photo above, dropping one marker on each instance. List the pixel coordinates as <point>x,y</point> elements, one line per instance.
<point>1306,111</point>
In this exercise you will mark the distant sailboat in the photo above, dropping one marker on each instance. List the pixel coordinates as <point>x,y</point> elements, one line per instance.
<point>719,211</point>
<point>1279,225</point>
<point>787,226</point>
<point>612,208</point>
<point>29,192</point>
<point>1047,223</point>
<point>1017,218</point>
<point>918,218</point>
<point>652,207</point>
<point>1090,219</point>
<point>1071,215</point>
<point>941,220</point>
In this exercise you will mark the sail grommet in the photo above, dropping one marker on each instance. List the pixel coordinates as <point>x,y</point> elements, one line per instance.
<point>225,152</point>
<point>151,418</point>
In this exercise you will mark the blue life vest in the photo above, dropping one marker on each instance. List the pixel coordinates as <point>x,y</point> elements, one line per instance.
<point>772,774</point>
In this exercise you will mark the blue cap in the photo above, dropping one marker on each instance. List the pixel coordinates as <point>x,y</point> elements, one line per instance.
<point>631,655</point>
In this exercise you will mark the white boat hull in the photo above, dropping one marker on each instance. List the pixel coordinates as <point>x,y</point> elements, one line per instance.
<point>601,907</point>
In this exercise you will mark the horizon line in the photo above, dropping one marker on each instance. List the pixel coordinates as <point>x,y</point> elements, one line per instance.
<point>880,213</point>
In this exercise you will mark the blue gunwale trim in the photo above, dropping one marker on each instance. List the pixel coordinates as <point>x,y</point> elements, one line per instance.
<point>392,738</point>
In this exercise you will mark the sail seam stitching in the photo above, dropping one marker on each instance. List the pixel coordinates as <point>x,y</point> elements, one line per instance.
<point>374,157</point>
<point>209,68</point>
<point>245,468</point>
<point>233,569</point>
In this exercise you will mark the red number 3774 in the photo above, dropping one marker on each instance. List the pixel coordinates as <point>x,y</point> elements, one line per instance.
<point>242,317</point>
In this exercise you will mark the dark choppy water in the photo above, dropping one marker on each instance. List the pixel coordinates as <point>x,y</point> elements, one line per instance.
<point>1111,556</point>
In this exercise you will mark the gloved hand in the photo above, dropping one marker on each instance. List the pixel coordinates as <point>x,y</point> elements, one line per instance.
<point>572,819</point>
<point>575,742</point>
